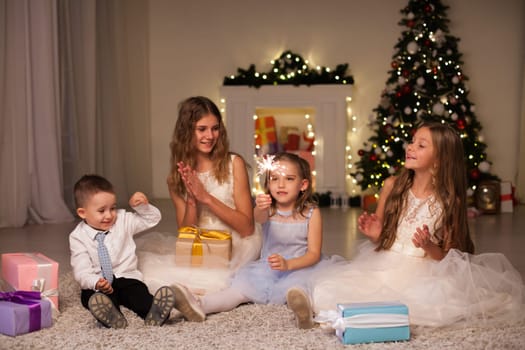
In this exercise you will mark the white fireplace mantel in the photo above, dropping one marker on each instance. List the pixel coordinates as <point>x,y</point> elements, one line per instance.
<point>330,105</point>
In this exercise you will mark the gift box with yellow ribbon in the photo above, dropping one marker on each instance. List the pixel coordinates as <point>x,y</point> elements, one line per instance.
<point>200,247</point>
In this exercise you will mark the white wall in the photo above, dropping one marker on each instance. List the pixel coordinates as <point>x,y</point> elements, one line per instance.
<point>194,44</point>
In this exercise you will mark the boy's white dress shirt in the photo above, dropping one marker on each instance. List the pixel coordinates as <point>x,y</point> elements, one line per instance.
<point>119,241</point>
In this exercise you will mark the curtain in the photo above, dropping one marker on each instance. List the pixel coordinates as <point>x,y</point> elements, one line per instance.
<point>74,99</point>
<point>30,158</point>
<point>105,79</point>
<point>520,185</point>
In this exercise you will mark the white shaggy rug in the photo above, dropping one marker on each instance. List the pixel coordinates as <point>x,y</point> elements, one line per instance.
<point>247,327</point>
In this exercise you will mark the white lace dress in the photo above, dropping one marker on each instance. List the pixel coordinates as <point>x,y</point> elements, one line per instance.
<point>156,250</point>
<point>461,288</point>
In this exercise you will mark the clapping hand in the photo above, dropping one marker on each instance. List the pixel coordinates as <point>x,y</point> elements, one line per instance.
<point>194,186</point>
<point>421,237</point>
<point>370,225</point>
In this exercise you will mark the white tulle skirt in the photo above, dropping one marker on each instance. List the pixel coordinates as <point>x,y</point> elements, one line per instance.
<point>156,256</point>
<point>461,288</point>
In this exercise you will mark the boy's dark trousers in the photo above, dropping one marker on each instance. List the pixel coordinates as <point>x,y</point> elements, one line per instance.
<point>127,292</point>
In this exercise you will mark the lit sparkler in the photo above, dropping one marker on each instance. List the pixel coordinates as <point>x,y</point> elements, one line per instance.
<point>266,164</point>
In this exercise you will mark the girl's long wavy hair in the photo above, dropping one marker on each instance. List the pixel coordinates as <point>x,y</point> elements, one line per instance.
<point>450,190</point>
<point>305,198</point>
<point>182,147</point>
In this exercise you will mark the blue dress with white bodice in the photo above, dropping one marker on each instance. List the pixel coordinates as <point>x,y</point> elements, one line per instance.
<point>287,235</point>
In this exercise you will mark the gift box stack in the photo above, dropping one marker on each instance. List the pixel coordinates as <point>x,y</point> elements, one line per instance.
<point>33,277</point>
<point>199,247</point>
<point>266,134</point>
<point>373,322</point>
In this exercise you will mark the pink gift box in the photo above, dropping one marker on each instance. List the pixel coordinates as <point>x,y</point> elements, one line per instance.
<point>23,312</point>
<point>32,271</point>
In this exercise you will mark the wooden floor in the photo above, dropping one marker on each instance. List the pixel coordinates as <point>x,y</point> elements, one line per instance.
<point>504,233</point>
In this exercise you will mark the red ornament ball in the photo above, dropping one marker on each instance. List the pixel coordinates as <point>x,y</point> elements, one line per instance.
<point>361,152</point>
<point>460,124</point>
<point>394,64</point>
<point>474,174</point>
<point>373,157</point>
<point>428,8</point>
<point>410,23</point>
<point>405,73</point>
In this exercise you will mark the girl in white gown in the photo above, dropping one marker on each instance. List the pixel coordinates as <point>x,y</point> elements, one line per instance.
<point>420,251</point>
<point>209,188</point>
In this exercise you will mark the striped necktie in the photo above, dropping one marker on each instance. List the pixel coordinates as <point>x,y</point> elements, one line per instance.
<point>103,256</point>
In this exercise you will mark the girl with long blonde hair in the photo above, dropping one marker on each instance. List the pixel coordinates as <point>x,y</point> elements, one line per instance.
<point>419,249</point>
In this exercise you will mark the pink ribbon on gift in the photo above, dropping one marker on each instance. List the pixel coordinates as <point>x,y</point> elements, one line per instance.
<point>32,299</point>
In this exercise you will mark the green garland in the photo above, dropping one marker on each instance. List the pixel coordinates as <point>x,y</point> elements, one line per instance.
<point>290,69</point>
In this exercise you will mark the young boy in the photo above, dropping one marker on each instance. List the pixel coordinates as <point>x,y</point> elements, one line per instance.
<point>106,288</point>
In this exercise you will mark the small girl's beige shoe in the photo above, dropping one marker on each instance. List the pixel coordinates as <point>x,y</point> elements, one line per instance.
<point>299,303</point>
<point>187,304</point>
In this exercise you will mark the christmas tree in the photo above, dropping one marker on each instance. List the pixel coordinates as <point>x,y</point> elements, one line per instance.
<point>426,82</point>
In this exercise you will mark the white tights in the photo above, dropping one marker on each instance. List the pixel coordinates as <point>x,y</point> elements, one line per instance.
<point>224,300</point>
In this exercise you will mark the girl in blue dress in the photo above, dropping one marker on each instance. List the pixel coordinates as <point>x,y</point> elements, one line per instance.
<point>292,239</point>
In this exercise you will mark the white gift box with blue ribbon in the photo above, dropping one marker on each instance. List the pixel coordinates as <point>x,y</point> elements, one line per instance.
<point>356,323</point>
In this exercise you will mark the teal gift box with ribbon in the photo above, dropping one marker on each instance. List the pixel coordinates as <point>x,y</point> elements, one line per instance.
<point>23,312</point>
<point>372,322</point>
